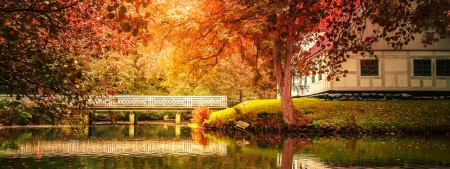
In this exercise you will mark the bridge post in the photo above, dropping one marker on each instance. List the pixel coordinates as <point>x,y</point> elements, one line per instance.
<point>177,118</point>
<point>133,118</point>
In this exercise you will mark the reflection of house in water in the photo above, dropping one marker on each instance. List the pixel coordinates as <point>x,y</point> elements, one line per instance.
<point>304,162</point>
<point>94,147</point>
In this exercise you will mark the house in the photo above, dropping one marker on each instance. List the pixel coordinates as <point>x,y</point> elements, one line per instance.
<point>414,71</point>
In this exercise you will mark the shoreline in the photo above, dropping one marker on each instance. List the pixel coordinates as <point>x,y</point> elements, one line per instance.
<point>231,128</point>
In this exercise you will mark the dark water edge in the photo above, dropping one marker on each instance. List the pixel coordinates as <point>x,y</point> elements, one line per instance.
<point>178,146</point>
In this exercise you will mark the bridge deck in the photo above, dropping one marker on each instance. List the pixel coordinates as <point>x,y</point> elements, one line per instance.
<point>146,102</point>
<point>158,102</point>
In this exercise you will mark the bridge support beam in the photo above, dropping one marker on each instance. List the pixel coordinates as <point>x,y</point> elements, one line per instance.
<point>133,118</point>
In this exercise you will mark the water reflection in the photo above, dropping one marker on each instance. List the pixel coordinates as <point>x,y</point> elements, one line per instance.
<point>425,151</point>
<point>109,140</point>
<point>291,146</point>
<point>111,147</point>
<point>174,146</point>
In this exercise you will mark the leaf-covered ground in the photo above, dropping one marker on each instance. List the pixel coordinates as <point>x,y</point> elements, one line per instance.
<point>392,115</point>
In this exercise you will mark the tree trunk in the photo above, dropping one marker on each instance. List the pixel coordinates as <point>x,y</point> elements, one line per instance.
<point>283,75</point>
<point>240,96</point>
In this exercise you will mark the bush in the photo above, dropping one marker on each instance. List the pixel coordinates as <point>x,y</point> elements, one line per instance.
<point>13,113</point>
<point>199,114</point>
<point>218,118</point>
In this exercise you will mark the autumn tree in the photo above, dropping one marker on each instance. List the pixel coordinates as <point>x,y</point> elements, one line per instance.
<point>38,58</point>
<point>239,81</point>
<point>282,30</point>
<point>45,47</point>
<point>339,27</point>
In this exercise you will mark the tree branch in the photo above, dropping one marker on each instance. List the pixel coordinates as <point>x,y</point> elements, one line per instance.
<point>31,9</point>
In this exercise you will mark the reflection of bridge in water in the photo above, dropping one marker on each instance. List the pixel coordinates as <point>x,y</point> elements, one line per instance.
<point>94,147</point>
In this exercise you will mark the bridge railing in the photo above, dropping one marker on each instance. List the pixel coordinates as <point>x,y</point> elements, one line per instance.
<point>153,102</point>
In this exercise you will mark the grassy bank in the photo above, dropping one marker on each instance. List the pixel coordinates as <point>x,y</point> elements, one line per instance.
<point>366,116</point>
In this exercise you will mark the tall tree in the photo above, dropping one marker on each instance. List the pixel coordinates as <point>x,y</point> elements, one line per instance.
<point>45,45</point>
<point>280,30</point>
<point>38,55</point>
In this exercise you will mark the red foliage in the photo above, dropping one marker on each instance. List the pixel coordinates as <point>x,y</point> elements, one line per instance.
<point>271,123</point>
<point>199,115</point>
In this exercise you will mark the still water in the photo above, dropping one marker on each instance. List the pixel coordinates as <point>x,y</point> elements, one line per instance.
<point>163,146</point>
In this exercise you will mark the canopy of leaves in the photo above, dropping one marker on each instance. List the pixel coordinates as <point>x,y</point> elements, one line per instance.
<point>46,47</point>
<point>336,25</point>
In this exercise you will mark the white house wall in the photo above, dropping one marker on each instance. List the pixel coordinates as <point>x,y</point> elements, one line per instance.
<point>395,69</point>
<point>395,74</point>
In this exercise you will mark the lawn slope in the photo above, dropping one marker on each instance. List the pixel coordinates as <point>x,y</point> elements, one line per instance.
<point>392,115</point>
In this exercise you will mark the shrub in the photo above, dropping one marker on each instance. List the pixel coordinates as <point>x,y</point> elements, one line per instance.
<point>199,114</point>
<point>218,118</point>
<point>14,113</point>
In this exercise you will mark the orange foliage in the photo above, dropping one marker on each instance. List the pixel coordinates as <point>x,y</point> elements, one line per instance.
<point>199,114</point>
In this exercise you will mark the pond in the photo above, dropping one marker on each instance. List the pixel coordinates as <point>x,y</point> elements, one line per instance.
<point>166,146</point>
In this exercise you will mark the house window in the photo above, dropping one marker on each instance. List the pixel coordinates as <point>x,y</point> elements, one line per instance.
<point>443,67</point>
<point>313,78</point>
<point>422,67</point>
<point>369,67</point>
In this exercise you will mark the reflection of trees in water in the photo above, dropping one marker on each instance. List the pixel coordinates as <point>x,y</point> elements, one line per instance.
<point>10,137</point>
<point>198,136</point>
<point>291,146</point>
<point>259,151</point>
<point>269,140</point>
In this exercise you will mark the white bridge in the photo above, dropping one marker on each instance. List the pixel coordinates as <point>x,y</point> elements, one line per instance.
<point>134,102</point>
<point>146,102</point>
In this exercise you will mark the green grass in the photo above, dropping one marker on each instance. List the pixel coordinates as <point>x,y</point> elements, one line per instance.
<point>404,115</point>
